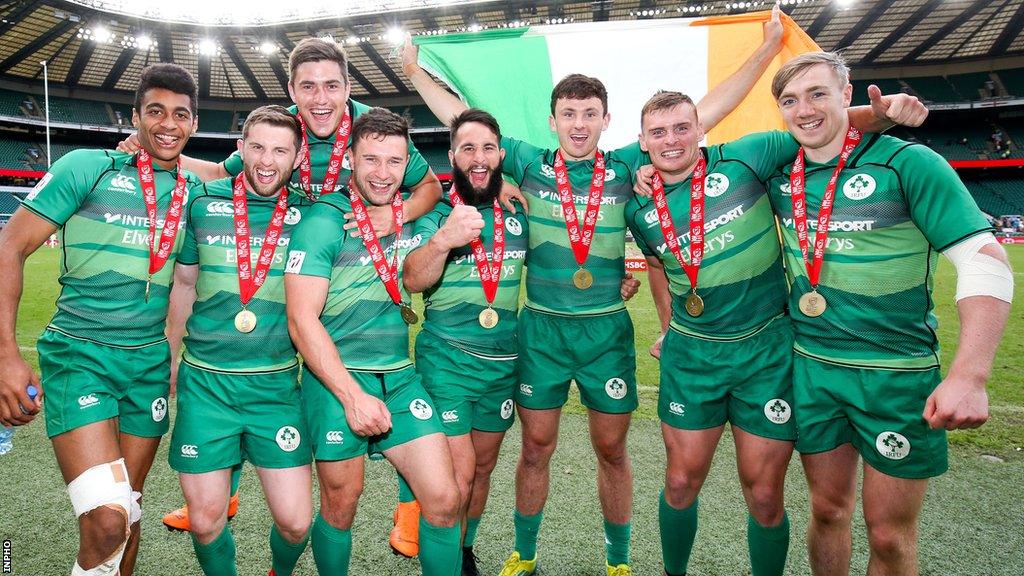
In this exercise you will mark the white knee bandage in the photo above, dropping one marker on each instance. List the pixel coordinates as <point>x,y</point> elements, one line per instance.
<point>979,274</point>
<point>105,486</point>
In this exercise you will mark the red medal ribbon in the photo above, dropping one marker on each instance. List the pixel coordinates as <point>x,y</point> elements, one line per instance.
<point>668,229</point>
<point>799,200</point>
<point>248,281</point>
<point>490,272</point>
<point>335,163</point>
<point>160,251</point>
<point>580,241</point>
<point>388,273</point>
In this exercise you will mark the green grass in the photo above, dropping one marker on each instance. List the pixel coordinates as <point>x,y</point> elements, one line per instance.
<point>971,524</point>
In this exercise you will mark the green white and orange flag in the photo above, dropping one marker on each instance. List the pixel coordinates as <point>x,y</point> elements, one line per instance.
<point>511,72</point>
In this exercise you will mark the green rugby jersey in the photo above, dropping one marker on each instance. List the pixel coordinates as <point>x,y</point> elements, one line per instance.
<point>94,197</point>
<point>897,205</point>
<point>454,303</point>
<point>549,286</point>
<point>366,326</point>
<point>741,278</point>
<point>320,157</point>
<point>213,342</point>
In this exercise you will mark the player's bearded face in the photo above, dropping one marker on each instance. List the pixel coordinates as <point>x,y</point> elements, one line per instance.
<point>164,124</point>
<point>320,91</point>
<point>672,138</point>
<point>476,163</point>
<point>270,155</point>
<point>378,166</point>
<point>813,107</point>
<point>579,124</point>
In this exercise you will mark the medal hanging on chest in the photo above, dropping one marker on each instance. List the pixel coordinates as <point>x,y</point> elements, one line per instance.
<point>249,280</point>
<point>490,271</point>
<point>335,163</point>
<point>388,273</point>
<point>580,240</point>
<point>694,304</point>
<point>159,250</point>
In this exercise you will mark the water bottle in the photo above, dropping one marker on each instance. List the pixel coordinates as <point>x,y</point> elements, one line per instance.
<point>7,433</point>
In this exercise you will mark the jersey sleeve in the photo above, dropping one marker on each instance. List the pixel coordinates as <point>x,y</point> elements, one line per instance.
<point>189,253</point>
<point>428,225</point>
<point>632,209</point>
<point>518,156</point>
<point>416,169</point>
<point>315,241</point>
<point>233,163</point>
<point>763,152</point>
<point>633,157</point>
<point>60,192</point>
<point>939,203</point>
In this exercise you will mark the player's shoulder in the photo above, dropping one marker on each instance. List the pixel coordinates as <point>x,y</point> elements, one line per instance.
<point>358,108</point>
<point>94,159</point>
<point>898,153</point>
<point>337,201</point>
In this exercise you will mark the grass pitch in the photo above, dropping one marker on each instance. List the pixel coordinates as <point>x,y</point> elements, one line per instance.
<point>971,525</point>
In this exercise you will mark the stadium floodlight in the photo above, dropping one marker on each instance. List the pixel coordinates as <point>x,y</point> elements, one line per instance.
<point>207,47</point>
<point>143,42</point>
<point>395,36</point>
<point>844,3</point>
<point>268,47</point>
<point>257,12</point>
<point>101,34</point>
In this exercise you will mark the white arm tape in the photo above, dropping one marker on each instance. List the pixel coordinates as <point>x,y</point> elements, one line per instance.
<point>102,485</point>
<point>979,274</point>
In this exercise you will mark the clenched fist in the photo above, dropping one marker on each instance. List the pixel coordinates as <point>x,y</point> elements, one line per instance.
<point>462,226</point>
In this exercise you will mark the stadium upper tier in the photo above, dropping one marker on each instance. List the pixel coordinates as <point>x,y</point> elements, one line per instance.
<point>954,88</point>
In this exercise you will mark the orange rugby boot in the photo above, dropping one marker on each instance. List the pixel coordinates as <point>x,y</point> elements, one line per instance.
<point>405,536</point>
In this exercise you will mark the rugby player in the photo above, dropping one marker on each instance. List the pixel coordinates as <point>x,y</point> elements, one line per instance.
<point>104,359</point>
<point>348,316</point>
<point>238,386</point>
<point>864,218</point>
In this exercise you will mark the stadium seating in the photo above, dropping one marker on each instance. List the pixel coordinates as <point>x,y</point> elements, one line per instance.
<point>10,103</point>
<point>886,85</point>
<point>1013,80</point>
<point>437,157</point>
<point>971,86</point>
<point>934,89</point>
<point>78,111</point>
<point>216,121</point>
<point>419,116</point>
<point>998,196</point>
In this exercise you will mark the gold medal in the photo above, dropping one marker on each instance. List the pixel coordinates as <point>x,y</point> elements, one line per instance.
<point>488,318</point>
<point>812,304</point>
<point>583,279</point>
<point>245,321</point>
<point>409,315</point>
<point>694,304</point>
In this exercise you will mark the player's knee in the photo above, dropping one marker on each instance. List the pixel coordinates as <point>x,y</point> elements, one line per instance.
<point>891,542</point>
<point>611,453</point>
<point>442,509</point>
<point>537,452</point>
<point>293,530</point>
<point>103,532</point>
<point>103,501</point>
<point>831,511</point>
<point>681,489</point>
<point>766,503</point>
<point>338,502</point>
<point>205,523</point>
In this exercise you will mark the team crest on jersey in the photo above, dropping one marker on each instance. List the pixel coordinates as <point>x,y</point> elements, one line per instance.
<point>39,186</point>
<point>293,216</point>
<point>859,187</point>
<point>159,408</point>
<point>786,189</point>
<point>420,409</point>
<point>892,445</point>
<point>609,174</point>
<point>615,388</point>
<point>506,409</point>
<point>778,411</point>
<point>513,226</point>
<point>287,438</point>
<point>716,184</point>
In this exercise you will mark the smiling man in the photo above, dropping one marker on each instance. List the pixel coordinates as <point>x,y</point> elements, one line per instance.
<point>864,218</point>
<point>238,390</point>
<point>104,359</point>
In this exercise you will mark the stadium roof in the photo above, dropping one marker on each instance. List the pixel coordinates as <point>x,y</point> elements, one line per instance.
<point>95,49</point>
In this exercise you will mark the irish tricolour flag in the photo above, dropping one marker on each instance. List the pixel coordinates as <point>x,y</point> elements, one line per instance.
<point>511,72</point>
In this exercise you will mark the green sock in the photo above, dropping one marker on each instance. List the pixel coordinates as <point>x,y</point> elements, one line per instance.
<point>283,554</point>
<point>471,525</point>
<point>236,477</point>
<point>678,531</point>
<point>218,557</point>
<point>404,492</point>
<point>440,553</point>
<point>616,543</point>
<point>768,546</point>
<point>527,528</point>
<point>332,548</point>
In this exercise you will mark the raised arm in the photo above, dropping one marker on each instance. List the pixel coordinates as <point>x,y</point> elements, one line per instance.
<point>206,171</point>
<point>305,297</point>
<point>25,233</point>
<point>443,104</point>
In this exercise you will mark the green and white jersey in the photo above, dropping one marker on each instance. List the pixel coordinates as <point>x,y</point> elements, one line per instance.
<point>320,157</point>
<point>366,326</point>
<point>897,205</point>
<point>454,303</point>
<point>94,197</point>
<point>741,278</point>
<point>212,342</point>
<point>549,286</point>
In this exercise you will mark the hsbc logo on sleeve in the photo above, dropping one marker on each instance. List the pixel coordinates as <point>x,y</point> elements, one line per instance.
<point>220,209</point>
<point>295,260</point>
<point>39,186</point>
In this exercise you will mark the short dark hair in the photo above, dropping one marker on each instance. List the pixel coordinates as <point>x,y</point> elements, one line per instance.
<point>579,87</point>
<point>316,50</point>
<point>275,116</point>
<point>665,100</point>
<point>474,115</point>
<point>378,123</point>
<point>169,77</point>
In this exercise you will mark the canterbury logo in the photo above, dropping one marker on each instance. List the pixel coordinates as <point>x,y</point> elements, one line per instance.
<point>220,208</point>
<point>190,451</point>
<point>88,400</point>
<point>450,416</point>
<point>334,437</point>
<point>526,389</point>
<point>676,408</point>
<point>123,182</point>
